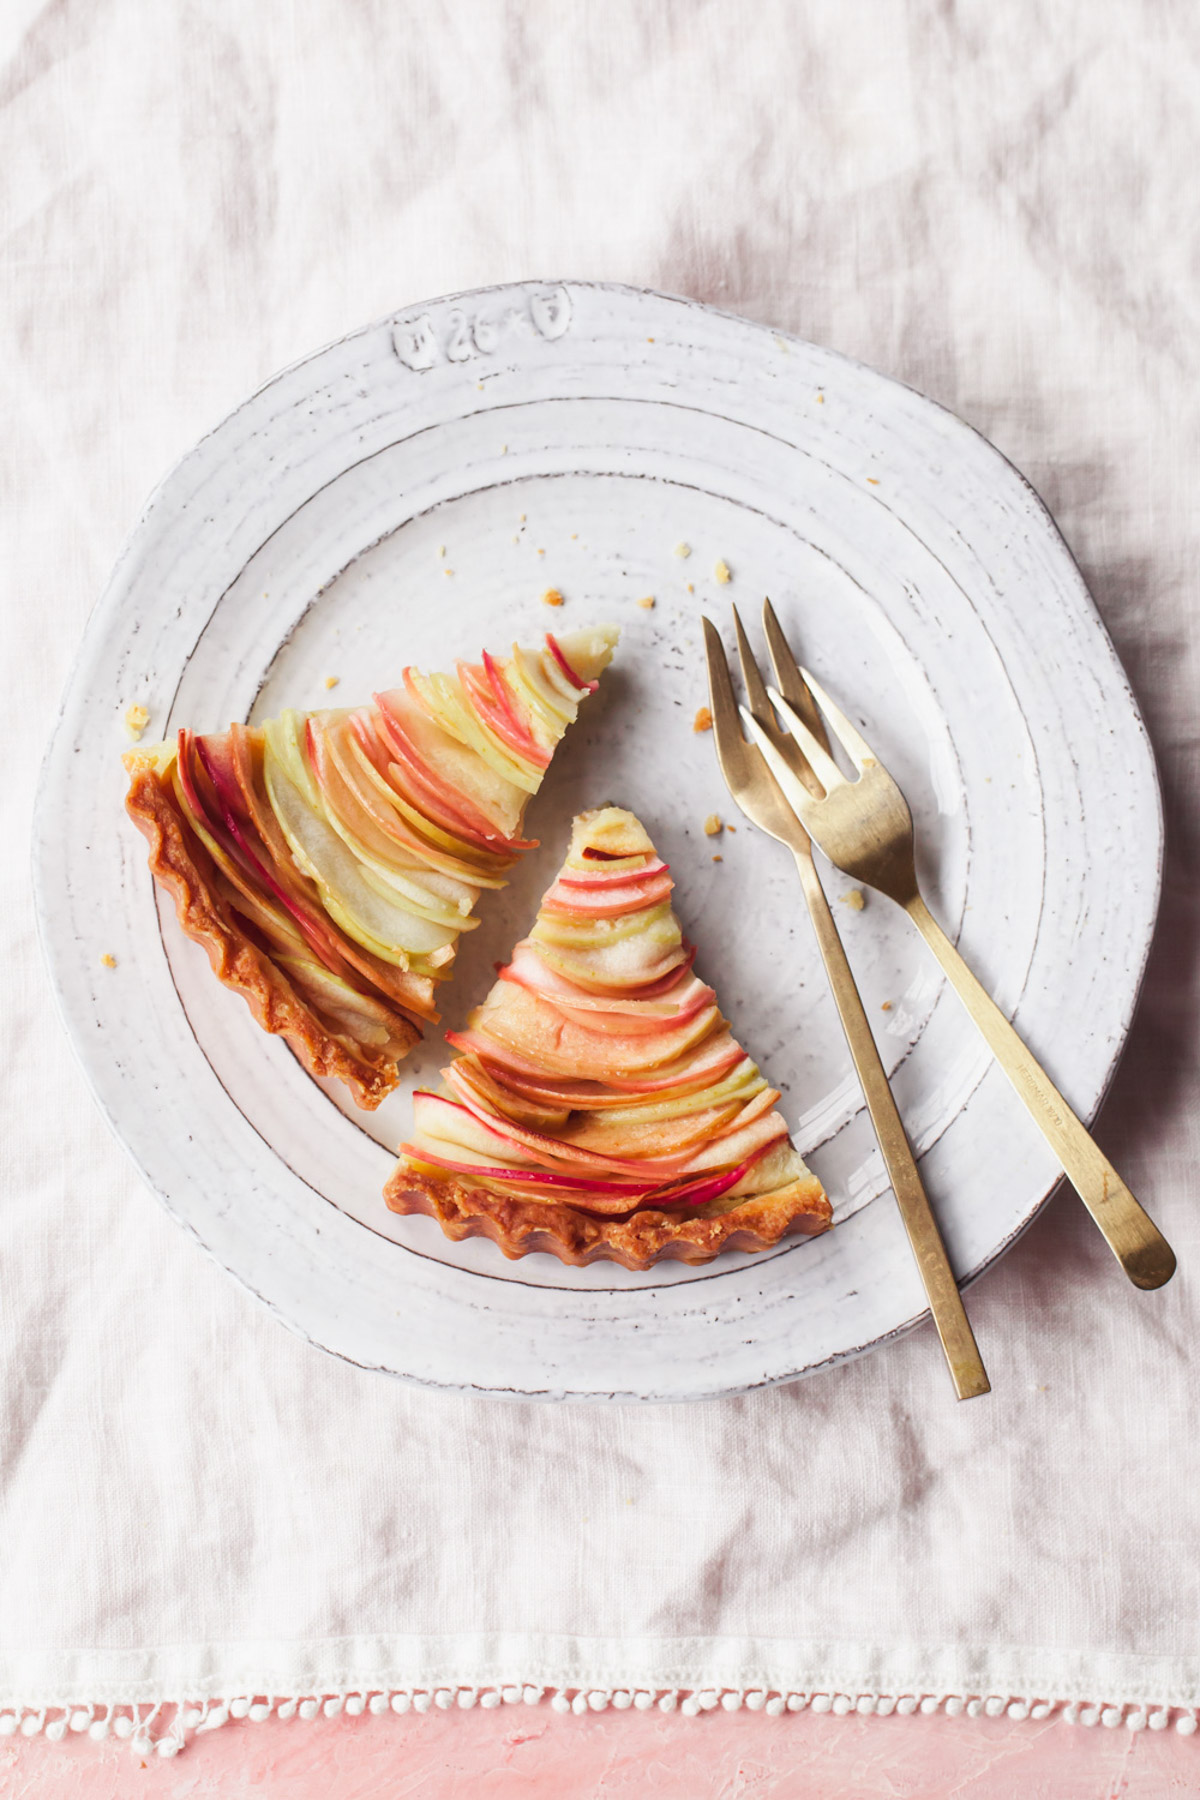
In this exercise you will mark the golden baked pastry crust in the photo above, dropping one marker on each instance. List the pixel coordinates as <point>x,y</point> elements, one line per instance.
<point>181,865</point>
<point>464,1209</point>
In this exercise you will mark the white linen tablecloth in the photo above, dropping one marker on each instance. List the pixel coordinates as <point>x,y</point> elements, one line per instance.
<point>993,203</point>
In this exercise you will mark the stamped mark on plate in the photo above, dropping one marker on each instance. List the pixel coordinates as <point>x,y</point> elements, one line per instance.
<point>457,336</point>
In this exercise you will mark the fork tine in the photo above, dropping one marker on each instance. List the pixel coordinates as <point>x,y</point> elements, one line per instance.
<point>726,729</point>
<point>752,681</point>
<point>788,678</point>
<point>794,791</point>
<point>826,770</point>
<point>852,740</point>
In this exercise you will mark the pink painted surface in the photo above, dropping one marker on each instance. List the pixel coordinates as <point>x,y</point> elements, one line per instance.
<point>520,1753</point>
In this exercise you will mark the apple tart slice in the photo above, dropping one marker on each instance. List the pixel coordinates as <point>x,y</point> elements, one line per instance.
<point>600,1106</point>
<point>328,861</point>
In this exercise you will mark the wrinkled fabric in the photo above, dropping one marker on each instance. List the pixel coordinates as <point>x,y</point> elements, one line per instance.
<point>995,204</point>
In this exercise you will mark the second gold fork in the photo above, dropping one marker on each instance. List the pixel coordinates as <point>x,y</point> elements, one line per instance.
<point>756,793</point>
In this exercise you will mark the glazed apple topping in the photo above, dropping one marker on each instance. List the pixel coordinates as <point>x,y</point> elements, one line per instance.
<point>600,1070</point>
<point>353,844</point>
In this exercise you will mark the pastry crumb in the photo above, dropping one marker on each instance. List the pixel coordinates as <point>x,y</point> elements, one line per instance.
<point>702,720</point>
<point>853,898</point>
<point>718,859</point>
<point>871,481</point>
<point>552,597</point>
<point>886,1006</point>
<point>504,449</point>
<point>447,571</point>
<point>723,572</point>
<point>522,519</point>
<point>647,602</point>
<point>109,960</point>
<point>137,718</point>
<point>731,828</point>
<point>331,681</point>
<point>649,340</point>
<point>683,550</point>
<point>541,553</point>
<point>820,398</point>
<point>441,549</point>
<point>712,825</point>
<point>691,587</point>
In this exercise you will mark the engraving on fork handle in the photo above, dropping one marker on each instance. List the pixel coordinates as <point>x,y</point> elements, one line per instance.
<point>949,1315</point>
<point>1130,1233</point>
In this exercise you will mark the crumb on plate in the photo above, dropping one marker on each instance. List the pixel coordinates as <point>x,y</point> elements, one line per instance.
<point>853,898</point>
<point>886,1007</point>
<point>331,681</point>
<point>552,597</point>
<point>871,481</point>
<point>137,717</point>
<point>109,960</point>
<point>712,825</point>
<point>702,720</point>
<point>647,602</point>
<point>447,571</point>
<point>683,550</point>
<point>441,549</point>
<point>723,572</point>
<point>691,587</point>
<point>718,859</point>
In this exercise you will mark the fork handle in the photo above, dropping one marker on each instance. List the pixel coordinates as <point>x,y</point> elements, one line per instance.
<point>1132,1236</point>
<point>945,1301</point>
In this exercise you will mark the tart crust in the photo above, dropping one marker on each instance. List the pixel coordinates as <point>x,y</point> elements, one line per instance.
<point>181,866</point>
<point>696,1235</point>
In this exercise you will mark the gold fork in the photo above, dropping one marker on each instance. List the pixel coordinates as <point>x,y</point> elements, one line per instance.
<point>865,828</point>
<point>759,798</point>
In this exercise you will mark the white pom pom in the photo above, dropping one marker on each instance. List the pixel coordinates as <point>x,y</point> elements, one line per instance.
<point>797,1702</point>
<point>689,1706</point>
<point>579,1703</point>
<point>1018,1709</point>
<point>821,1703</point>
<point>1136,1721</point>
<point>1158,1721</point>
<point>467,1698</point>
<point>1186,1725</point>
<point>123,1726</point>
<point>622,1699</point>
<point>444,1698</point>
<point>308,1709</point>
<point>490,1700</point>
<point>400,1703</point>
<point>511,1696</point>
<point>774,1705</point>
<point>598,1700</point>
<point>530,1695</point>
<point>954,1705</point>
<point>907,1703</point>
<point>1111,1716</point>
<point>642,1700</point>
<point>885,1705</point>
<point>668,1703</point>
<point>755,1700</point>
<point>560,1703</point>
<point>422,1702</point>
<point>262,1709</point>
<point>168,1746</point>
<point>731,1701</point>
<point>333,1706</point>
<point>355,1704</point>
<point>930,1703</point>
<point>240,1707</point>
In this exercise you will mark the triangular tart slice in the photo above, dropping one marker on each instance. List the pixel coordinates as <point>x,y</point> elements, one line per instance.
<point>328,861</point>
<point>600,1106</point>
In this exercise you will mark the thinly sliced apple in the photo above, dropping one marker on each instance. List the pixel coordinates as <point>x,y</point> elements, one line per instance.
<point>387,930</point>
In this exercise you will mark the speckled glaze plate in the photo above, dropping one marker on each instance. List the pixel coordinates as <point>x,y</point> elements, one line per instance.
<point>407,495</point>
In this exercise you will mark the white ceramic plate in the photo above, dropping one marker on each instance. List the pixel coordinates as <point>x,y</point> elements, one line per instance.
<point>575,436</point>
